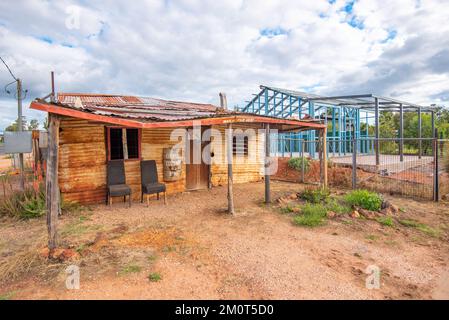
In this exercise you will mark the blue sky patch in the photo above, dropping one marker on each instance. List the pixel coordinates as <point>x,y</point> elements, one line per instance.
<point>46,39</point>
<point>272,32</point>
<point>349,6</point>
<point>391,35</point>
<point>356,23</point>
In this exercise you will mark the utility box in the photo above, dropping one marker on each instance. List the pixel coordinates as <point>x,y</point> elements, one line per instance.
<point>18,142</point>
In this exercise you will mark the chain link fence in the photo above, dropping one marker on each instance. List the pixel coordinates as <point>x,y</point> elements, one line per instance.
<point>412,167</point>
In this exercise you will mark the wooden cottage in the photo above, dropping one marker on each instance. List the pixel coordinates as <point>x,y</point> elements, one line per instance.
<point>88,130</point>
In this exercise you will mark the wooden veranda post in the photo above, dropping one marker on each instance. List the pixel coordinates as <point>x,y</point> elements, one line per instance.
<point>267,164</point>
<point>229,154</point>
<point>52,187</point>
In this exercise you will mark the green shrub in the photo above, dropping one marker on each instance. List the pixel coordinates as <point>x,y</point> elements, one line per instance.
<point>297,163</point>
<point>24,204</point>
<point>154,277</point>
<point>30,204</point>
<point>337,207</point>
<point>286,210</point>
<point>364,199</point>
<point>312,215</point>
<point>386,221</point>
<point>315,195</point>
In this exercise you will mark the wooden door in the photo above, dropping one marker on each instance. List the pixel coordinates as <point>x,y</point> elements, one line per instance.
<point>197,172</point>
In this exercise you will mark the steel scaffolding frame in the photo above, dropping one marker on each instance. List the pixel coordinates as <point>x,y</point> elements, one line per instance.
<point>344,115</point>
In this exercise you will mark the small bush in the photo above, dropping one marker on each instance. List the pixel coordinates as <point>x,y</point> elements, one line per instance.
<point>337,207</point>
<point>364,199</point>
<point>30,203</point>
<point>154,277</point>
<point>24,204</point>
<point>286,210</point>
<point>312,215</point>
<point>386,221</point>
<point>297,163</point>
<point>315,195</point>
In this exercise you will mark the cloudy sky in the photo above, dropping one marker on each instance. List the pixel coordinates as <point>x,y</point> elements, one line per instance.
<point>191,49</point>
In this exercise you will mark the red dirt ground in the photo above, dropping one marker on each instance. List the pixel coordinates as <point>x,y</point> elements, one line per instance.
<point>203,253</point>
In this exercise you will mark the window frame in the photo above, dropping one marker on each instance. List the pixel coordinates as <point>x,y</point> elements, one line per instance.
<point>235,150</point>
<point>108,143</point>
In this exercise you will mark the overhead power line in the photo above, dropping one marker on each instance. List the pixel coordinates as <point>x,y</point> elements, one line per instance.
<point>7,67</point>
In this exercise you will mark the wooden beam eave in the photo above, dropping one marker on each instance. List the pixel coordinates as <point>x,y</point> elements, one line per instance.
<point>50,108</point>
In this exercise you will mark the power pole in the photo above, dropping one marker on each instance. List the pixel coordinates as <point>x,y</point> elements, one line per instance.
<point>20,128</point>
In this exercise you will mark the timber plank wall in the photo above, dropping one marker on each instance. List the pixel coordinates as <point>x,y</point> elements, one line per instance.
<point>82,161</point>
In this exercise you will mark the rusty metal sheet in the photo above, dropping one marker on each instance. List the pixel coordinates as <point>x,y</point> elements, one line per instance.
<point>143,108</point>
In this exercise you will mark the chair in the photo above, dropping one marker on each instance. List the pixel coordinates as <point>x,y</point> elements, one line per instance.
<point>116,180</point>
<point>150,183</point>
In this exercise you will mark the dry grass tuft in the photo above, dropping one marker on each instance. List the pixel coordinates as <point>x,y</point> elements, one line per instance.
<point>21,263</point>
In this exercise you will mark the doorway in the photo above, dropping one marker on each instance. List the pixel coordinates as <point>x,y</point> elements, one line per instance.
<point>197,171</point>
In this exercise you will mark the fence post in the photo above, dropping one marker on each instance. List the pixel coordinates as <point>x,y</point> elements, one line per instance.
<point>354,163</point>
<point>436,182</point>
<point>302,167</point>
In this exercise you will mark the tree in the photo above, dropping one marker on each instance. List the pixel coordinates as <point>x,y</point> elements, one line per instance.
<point>34,124</point>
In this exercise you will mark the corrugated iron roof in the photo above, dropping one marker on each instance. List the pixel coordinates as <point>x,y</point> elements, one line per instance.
<point>141,108</point>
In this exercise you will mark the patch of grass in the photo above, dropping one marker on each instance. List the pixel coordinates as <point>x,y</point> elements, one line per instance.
<point>287,209</point>
<point>81,248</point>
<point>169,249</point>
<point>337,207</point>
<point>371,237</point>
<point>152,258</point>
<point>22,262</point>
<point>154,277</point>
<point>390,242</point>
<point>297,164</point>
<point>421,227</point>
<point>315,195</point>
<point>7,296</point>
<point>364,199</point>
<point>386,221</point>
<point>312,215</point>
<point>130,268</point>
<point>77,228</point>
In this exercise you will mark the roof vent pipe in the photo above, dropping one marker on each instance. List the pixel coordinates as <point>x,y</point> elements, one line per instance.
<point>223,101</point>
<point>53,95</point>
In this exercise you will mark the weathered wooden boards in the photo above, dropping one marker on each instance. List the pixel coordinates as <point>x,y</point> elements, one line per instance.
<point>52,187</point>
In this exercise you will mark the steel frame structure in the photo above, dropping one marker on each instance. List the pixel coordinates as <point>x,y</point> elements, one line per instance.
<point>344,115</point>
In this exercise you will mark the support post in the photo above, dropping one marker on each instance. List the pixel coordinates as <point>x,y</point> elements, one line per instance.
<point>419,133</point>
<point>432,119</point>
<point>303,171</point>
<point>436,177</point>
<point>230,176</point>
<point>267,163</point>
<point>52,187</point>
<point>354,162</point>
<point>376,129</point>
<point>20,128</point>
<point>401,132</point>
<point>324,152</point>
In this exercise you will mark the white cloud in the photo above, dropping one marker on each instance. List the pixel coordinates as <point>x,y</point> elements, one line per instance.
<point>191,50</point>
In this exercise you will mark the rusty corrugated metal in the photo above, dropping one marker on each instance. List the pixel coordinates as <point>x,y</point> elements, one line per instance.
<point>142,108</point>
